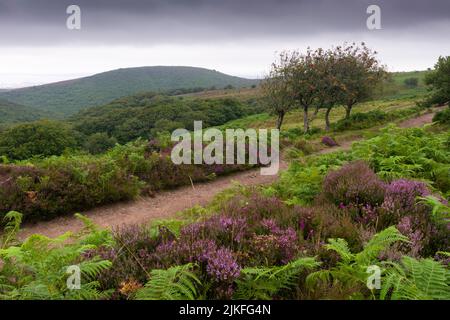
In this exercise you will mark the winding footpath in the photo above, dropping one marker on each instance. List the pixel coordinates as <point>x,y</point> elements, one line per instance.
<point>167,204</point>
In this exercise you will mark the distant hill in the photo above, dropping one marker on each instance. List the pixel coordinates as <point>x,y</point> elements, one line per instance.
<point>13,113</point>
<point>68,97</point>
<point>397,86</point>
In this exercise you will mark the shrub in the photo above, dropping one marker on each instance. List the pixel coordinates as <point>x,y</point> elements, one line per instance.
<point>99,143</point>
<point>411,82</point>
<point>400,197</point>
<point>41,138</point>
<point>355,183</point>
<point>329,142</point>
<point>413,218</point>
<point>358,120</point>
<point>442,116</point>
<point>44,189</point>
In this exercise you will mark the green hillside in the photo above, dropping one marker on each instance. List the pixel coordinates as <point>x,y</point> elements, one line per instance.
<point>397,86</point>
<point>13,113</point>
<point>68,97</point>
<point>145,115</point>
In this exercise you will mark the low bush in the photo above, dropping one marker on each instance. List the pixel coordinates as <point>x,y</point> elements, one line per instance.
<point>44,189</point>
<point>355,183</point>
<point>442,116</point>
<point>329,142</point>
<point>361,120</point>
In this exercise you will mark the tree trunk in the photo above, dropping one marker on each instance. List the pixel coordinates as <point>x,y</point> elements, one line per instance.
<point>327,119</point>
<point>280,120</point>
<point>348,110</point>
<point>305,120</point>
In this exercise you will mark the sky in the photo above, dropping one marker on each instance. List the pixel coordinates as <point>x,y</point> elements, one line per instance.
<point>237,37</point>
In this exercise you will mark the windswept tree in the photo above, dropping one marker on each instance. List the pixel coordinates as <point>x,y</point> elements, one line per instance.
<point>298,71</point>
<point>330,91</point>
<point>359,72</point>
<point>322,79</point>
<point>276,93</point>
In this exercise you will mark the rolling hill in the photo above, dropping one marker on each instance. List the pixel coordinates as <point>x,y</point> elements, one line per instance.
<point>13,113</point>
<point>68,97</point>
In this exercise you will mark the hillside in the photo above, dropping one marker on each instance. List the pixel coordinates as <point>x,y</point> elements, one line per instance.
<point>145,115</point>
<point>396,88</point>
<point>12,113</point>
<point>68,97</point>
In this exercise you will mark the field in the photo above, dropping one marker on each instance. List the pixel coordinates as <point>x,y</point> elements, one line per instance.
<point>371,193</point>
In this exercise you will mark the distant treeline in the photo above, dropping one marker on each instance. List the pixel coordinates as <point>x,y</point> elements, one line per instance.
<point>98,129</point>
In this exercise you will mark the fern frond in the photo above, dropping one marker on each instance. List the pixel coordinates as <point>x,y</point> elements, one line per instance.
<point>91,269</point>
<point>263,282</point>
<point>341,247</point>
<point>423,279</point>
<point>379,242</point>
<point>13,221</point>
<point>175,283</point>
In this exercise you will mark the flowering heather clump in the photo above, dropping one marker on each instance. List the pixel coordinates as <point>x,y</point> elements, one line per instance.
<point>224,230</point>
<point>329,142</point>
<point>354,183</point>
<point>401,196</point>
<point>132,256</point>
<point>134,237</point>
<point>219,263</point>
<point>227,229</point>
<point>275,245</point>
<point>257,207</point>
<point>368,215</point>
<point>415,235</point>
<point>183,251</point>
<point>222,266</point>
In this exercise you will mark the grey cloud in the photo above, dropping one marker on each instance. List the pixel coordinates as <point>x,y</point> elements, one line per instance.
<point>33,22</point>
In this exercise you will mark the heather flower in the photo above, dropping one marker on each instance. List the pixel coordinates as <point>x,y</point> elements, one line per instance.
<point>328,141</point>
<point>234,227</point>
<point>181,252</point>
<point>355,183</point>
<point>270,225</point>
<point>401,196</point>
<point>279,245</point>
<point>368,215</point>
<point>222,266</point>
<point>407,227</point>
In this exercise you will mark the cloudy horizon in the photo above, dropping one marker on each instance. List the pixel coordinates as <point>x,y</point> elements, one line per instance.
<point>235,37</point>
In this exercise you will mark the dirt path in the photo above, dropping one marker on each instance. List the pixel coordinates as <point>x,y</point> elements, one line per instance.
<point>164,205</point>
<point>167,203</point>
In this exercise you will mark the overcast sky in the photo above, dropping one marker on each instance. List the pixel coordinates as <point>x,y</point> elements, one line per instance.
<point>238,37</point>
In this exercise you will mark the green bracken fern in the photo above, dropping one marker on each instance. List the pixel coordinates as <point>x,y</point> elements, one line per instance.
<point>262,283</point>
<point>175,283</point>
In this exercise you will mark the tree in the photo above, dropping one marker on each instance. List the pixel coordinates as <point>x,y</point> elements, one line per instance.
<point>330,89</point>
<point>99,143</point>
<point>275,89</point>
<point>439,82</point>
<point>298,70</point>
<point>359,72</point>
<point>41,138</point>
